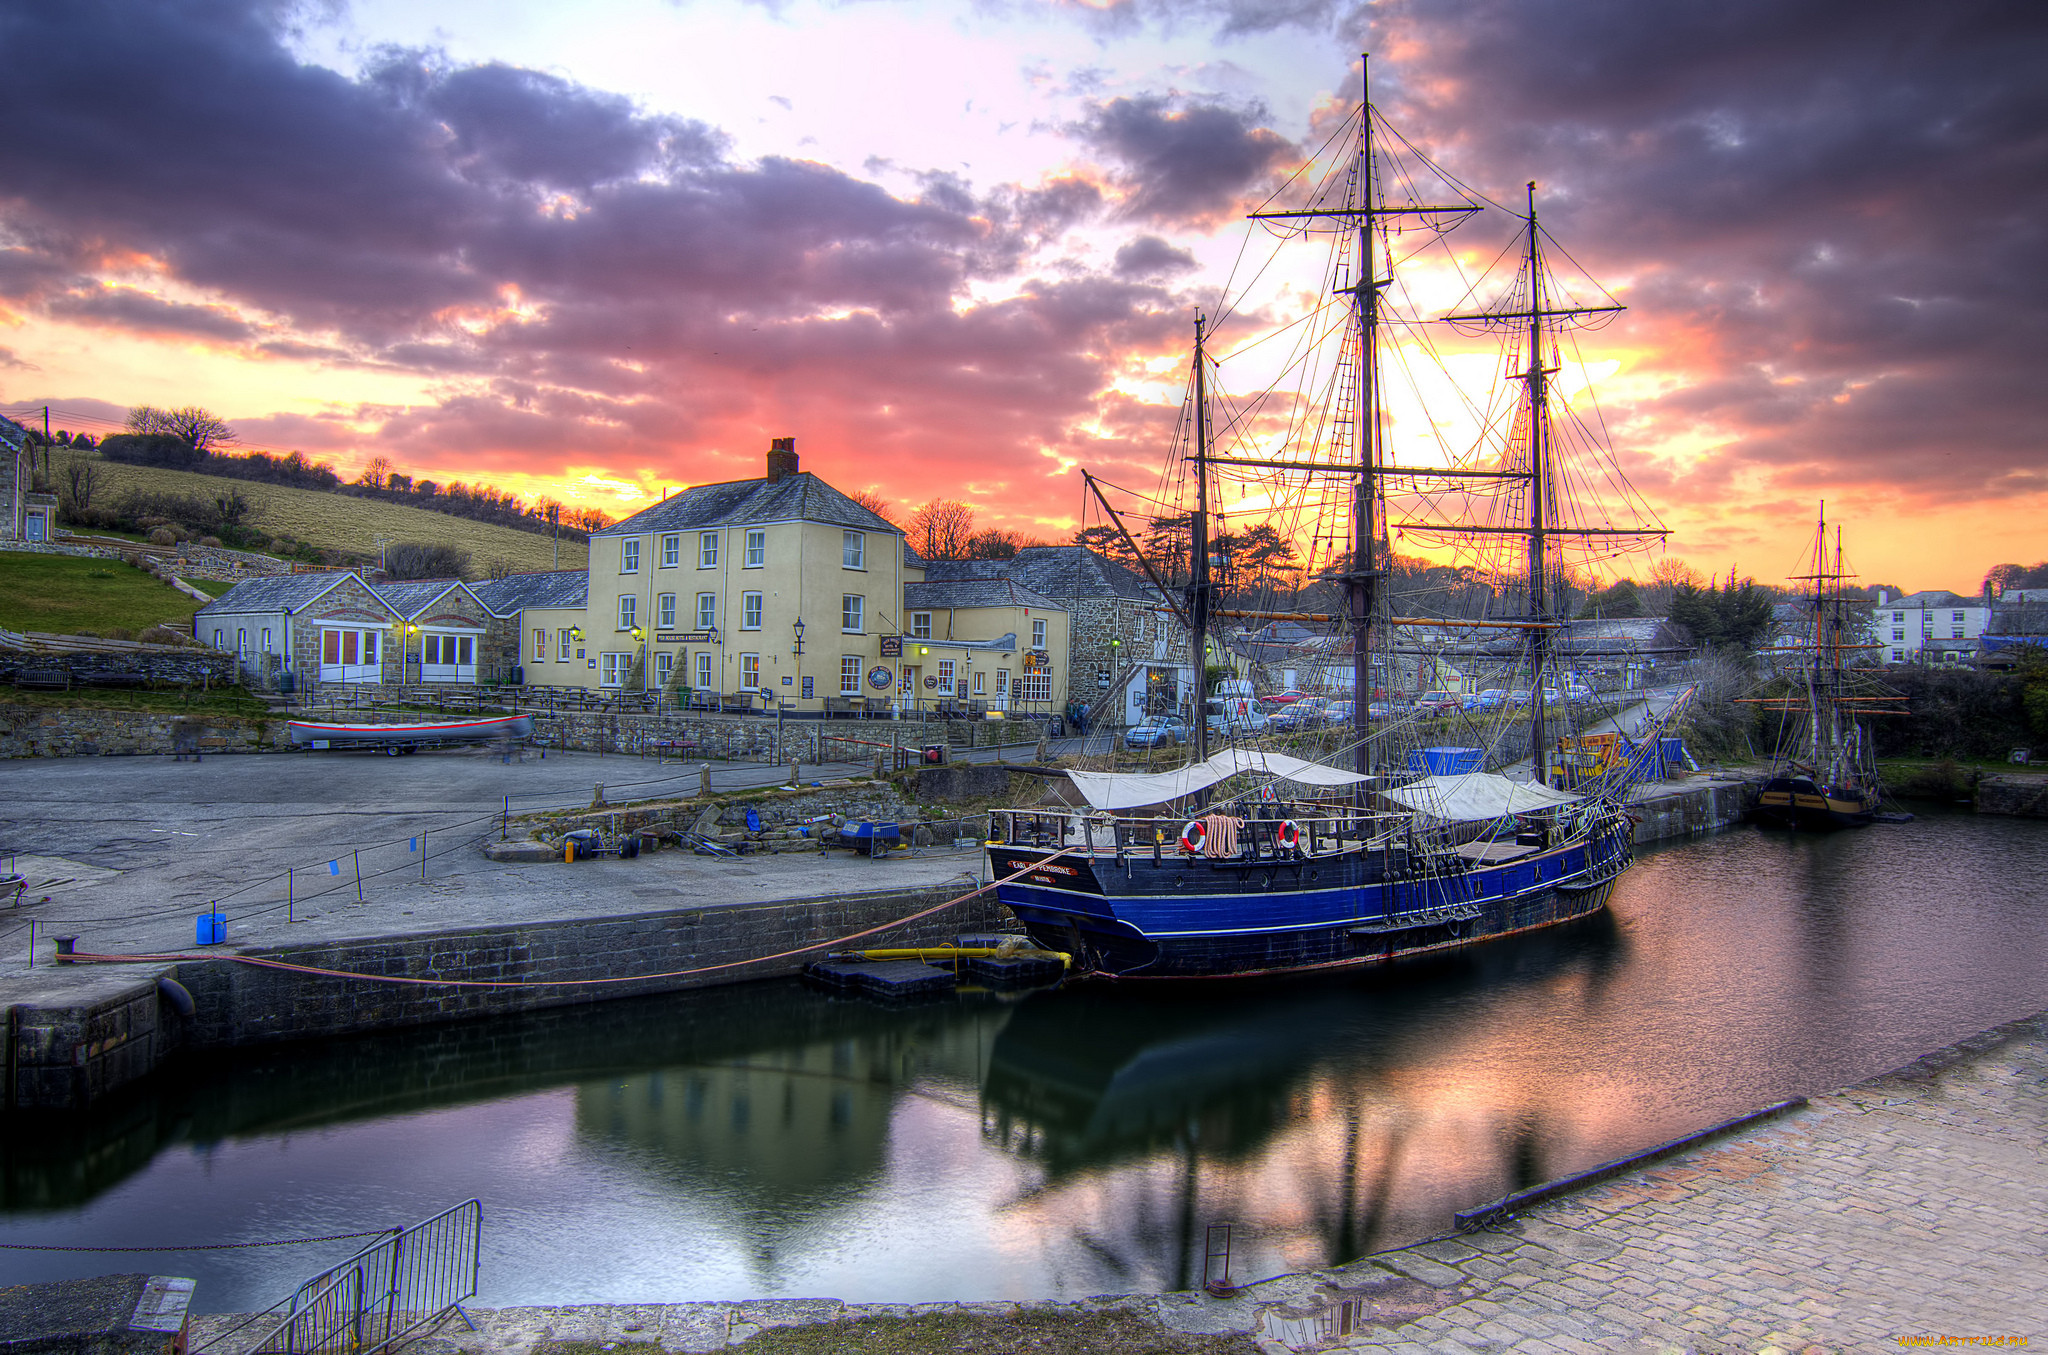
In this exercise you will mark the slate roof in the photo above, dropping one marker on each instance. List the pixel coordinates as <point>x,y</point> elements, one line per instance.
<point>410,597</point>
<point>974,593</point>
<point>549,588</point>
<point>1932,597</point>
<point>1054,571</point>
<point>274,593</point>
<point>801,497</point>
<point>12,434</point>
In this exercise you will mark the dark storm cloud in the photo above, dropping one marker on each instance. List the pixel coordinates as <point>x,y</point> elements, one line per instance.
<point>145,313</point>
<point>1184,161</point>
<point>1148,256</point>
<point>572,267</point>
<point>1831,214</point>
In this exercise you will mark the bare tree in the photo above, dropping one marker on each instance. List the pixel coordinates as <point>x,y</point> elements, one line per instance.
<point>81,482</point>
<point>376,472</point>
<point>874,503</point>
<point>200,429</point>
<point>423,560</point>
<point>941,529</point>
<point>994,544</point>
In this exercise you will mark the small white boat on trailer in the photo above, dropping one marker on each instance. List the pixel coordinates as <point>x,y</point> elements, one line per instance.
<point>408,735</point>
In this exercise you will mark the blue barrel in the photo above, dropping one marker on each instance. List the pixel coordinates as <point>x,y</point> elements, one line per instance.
<point>1445,761</point>
<point>212,929</point>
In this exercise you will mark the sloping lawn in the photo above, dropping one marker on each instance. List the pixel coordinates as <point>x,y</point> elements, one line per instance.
<point>65,595</point>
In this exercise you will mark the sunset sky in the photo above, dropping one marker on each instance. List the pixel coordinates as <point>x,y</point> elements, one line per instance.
<point>597,249</point>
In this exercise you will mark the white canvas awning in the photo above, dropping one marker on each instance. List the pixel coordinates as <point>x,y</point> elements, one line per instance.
<point>1118,790</point>
<point>1477,796</point>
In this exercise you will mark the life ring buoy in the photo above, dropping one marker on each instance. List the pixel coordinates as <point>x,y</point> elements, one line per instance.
<point>1288,834</point>
<point>1193,836</point>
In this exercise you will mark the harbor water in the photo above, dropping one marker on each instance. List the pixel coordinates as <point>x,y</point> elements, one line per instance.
<point>769,1140</point>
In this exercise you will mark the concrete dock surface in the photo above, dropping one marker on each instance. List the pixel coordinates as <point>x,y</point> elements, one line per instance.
<point>1908,1210</point>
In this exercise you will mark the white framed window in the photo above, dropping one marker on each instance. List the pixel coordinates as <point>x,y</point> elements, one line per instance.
<point>671,551</point>
<point>920,625</point>
<point>750,611</point>
<point>1898,633</point>
<point>849,675</point>
<point>853,550</point>
<point>1036,687</point>
<point>1898,655</point>
<point>219,638</point>
<point>707,550</point>
<point>563,637</point>
<point>448,650</point>
<point>750,672</point>
<point>612,669</point>
<point>1038,635</point>
<point>1898,616</point>
<point>664,668</point>
<point>1956,617</point>
<point>704,670</point>
<point>540,644</point>
<point>707,611</point>
<point>665,611</point>
<point>853,614</point>
<point>346,655</point>
<point>757,548</point>
<point>945,677</point>
<point>242,641</point>
<point>980,684</point>
<point>1002,682</point>
<point>266,640</point>
<point>629,555</point>
<point>629,611</point>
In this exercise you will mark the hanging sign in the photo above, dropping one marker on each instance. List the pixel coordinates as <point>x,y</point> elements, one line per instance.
<point>892,646</point>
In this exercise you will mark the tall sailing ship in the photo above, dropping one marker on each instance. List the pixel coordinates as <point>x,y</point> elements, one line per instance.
<point>1823,772</point>
<point>1249,861</point>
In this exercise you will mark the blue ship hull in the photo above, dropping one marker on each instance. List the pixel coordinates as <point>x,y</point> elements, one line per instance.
<point>1166,915</point>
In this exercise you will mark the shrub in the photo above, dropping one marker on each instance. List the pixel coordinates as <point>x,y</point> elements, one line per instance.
<point>212,541</point>
<point>164,536</point>
<point>422,560</point>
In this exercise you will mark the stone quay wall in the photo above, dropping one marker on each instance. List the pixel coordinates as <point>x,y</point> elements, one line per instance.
<point>167,665</point>
<point>2018,794</point>
<point>67,1057</point>
<point>1681,809</point>
<point>33,731</point>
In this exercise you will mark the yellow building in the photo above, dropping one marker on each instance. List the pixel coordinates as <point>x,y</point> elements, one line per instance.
<point>990,645</point>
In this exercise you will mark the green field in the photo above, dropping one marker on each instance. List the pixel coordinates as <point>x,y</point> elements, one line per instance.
<point>336,521</point>
<point>65,595</point>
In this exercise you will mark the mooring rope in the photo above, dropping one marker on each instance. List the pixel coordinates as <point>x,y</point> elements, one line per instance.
<point>263,962</point>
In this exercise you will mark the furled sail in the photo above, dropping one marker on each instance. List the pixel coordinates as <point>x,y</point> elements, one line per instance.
<point>1118,790</point>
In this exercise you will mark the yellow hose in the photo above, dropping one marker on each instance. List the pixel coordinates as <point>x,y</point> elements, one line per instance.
<point>950,953</point>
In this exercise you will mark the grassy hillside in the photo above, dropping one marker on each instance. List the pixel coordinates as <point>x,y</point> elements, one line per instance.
<point>335,521</point>
<point>64,594</point>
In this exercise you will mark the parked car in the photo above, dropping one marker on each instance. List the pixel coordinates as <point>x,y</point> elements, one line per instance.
<point>1301,714</point>
<point>1286,698</point>
<point>1339,712</point>
<point>1157,730</point>
<point>1439,703</point>
<point>1578,693</point>
<point>1379,710</point>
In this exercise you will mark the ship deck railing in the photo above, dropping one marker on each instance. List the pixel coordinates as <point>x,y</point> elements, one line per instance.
<point>1094,833</point>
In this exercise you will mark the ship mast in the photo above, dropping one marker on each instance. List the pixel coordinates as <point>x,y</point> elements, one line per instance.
<point>1539,488</point>
<point>1198,566</point>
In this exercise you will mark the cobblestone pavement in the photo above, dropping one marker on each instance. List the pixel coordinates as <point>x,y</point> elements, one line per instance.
<point>1911,1206</point>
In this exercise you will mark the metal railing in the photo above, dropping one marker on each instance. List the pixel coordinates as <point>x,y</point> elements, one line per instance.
<point>407,1280</point>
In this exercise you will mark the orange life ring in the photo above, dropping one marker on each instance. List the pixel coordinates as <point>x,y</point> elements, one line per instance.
<point>1193,836</point>
<point>1288,834</point>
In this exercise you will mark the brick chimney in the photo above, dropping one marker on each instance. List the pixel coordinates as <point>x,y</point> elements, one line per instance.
<point>781,459</point>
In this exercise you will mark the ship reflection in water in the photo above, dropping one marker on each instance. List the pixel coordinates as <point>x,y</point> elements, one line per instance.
<point>1328,1120</point>
<point>772,1140</point>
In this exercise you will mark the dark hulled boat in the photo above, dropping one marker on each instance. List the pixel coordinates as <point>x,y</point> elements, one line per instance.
<point>1251,863</point>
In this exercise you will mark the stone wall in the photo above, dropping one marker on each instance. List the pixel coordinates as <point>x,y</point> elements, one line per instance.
<point>175,666</point>
<point>31,731</point>
<point>2019,794</point>
<point>67,1057</point>
<point>1682,809</point>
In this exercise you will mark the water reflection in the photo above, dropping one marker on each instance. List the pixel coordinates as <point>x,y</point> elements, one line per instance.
<point>773,1140</point>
